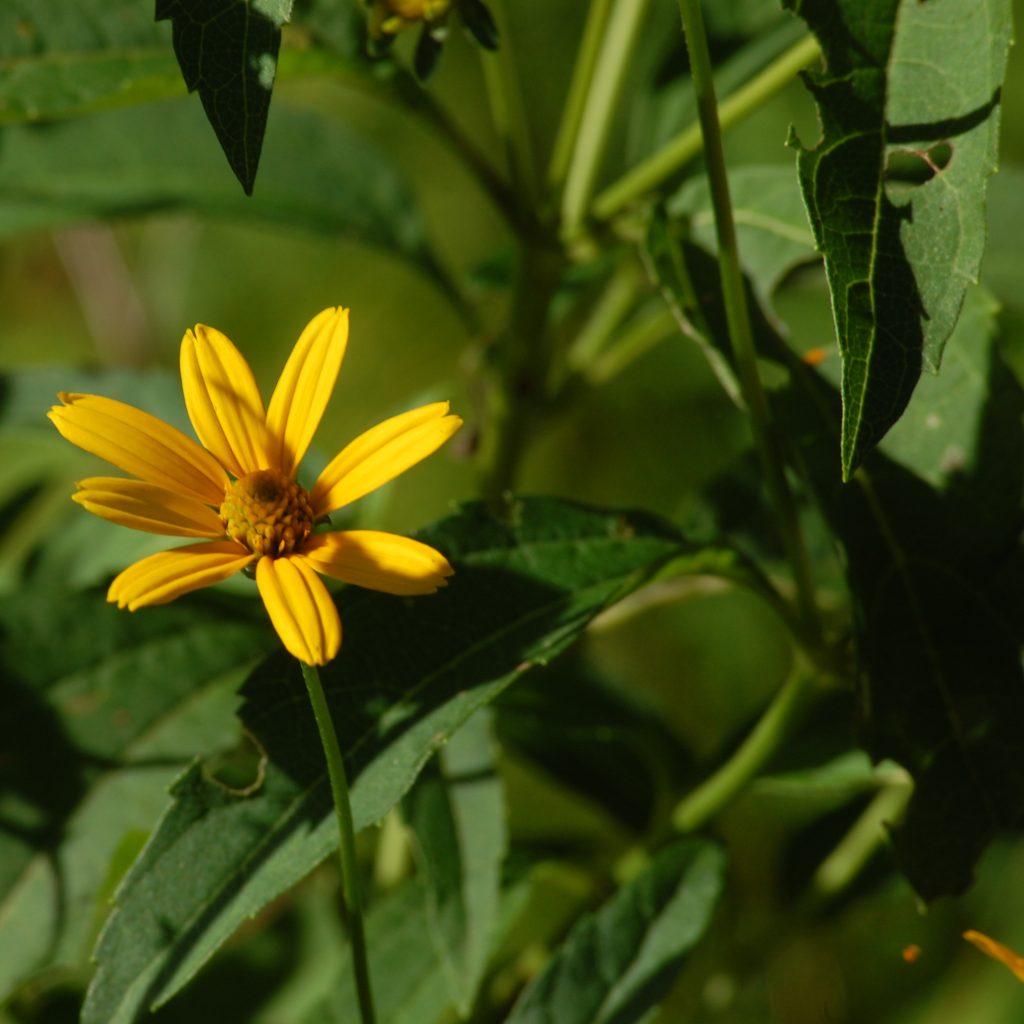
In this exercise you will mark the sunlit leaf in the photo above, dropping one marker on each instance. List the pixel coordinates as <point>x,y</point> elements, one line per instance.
<point>909,105</point>
<point>141,159</point>
<point>457,814</point>
<point>618,964</point>
<point>59,59</point>
<point>771,223</point>
<point>409,674</point>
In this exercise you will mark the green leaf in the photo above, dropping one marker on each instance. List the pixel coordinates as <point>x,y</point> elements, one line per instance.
<point>227,50</point>
<point>930,526</point>
<point>915,82</point>
<point>597,737</point>
<point>409,985</point>
<point>771,222</point>
<point>619,963</point>
<point>58,59</point>
<point>89,749</point>
<point>457,814</point>
<point>930,531</point>
<point>165,160</point>
<point>410,673</point>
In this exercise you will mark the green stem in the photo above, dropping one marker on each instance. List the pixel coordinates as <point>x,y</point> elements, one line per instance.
<point>522,373</point>
<point>422,102</point>
<point>612,63</point>
<point>509,115</point>
<point>773,729</point>
<point>689,143</point>
<point>351,901</point>
<point>605,317</point>
<point>858,846</point>
<point>579,89</point>
<point>738,320</point>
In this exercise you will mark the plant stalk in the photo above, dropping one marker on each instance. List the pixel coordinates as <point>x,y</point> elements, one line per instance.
<point>738,319</point>
<point>772,730</point>
<point>689,143</point>
<point>579,88</point>
<point>623,28</point>
<point>351,901</point>
<point>508,112</point>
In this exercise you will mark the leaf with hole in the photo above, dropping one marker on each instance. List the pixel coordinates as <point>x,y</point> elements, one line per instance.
<point>904,83</point>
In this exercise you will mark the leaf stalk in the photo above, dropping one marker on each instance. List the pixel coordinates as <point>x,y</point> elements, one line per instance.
<point>689,143</point>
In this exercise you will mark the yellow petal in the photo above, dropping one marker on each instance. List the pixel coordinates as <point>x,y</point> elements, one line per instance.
<point>300,609</point>
<point>140,444</point>
<point>378,561</point>
<point>223,400</point>
<point>305,385</point>
<point>144,506</point>
<point>169,574</point>
<point>380,454</point>
<point>997,951</point>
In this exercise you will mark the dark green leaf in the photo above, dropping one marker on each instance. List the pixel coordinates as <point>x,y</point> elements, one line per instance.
<point>479,20</point>
<point>929,529</point>
<point>143,159</point>
<point>408,982</point>
<point>227,50</point>
<point>915,82</point>
<point>89,748</point>
<point>59,59</point>
<point>618,964</point>
<point>457,814</point>
<point>409,674</point>
<point>596,737</point>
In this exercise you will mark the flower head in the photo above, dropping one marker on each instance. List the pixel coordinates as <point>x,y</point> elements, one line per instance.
<point>237,491</point>
<point>389,17</point>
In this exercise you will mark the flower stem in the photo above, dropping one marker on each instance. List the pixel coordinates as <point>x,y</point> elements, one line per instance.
<point>579,88</point>
<point>508,112</point>
<point>623,28</point>
<point>351,902</point>
<point>772,730</point>
<point>738,320</point>
<point>688,144</point>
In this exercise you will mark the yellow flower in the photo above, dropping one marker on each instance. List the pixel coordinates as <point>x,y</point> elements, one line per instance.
<point>996,950</point>
<point>389,17</point>
<point>238,492</point>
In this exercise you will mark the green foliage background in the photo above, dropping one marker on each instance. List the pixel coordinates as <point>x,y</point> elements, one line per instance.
<point>122,225</point>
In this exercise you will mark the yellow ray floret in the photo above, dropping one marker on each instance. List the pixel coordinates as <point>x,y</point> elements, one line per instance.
<point>162,577</point>
<point>997,951</point>
<point>305,385</point>
<point>140,444</point>
<point>382,453</point>
<point>378,561</point>
<point>239,489</point>
<point>148,507</point>
<point>223,400</point>
<point>300,608</point>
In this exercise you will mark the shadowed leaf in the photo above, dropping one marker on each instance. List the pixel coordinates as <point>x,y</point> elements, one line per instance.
<point>618,964</point>
<point>227,51</point>
<point>904,83</point>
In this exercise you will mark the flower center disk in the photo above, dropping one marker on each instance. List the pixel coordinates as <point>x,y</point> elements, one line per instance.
<point>268,512</point>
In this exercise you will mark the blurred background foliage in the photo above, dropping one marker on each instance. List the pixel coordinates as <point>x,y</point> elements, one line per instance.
<point>122,227</point>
